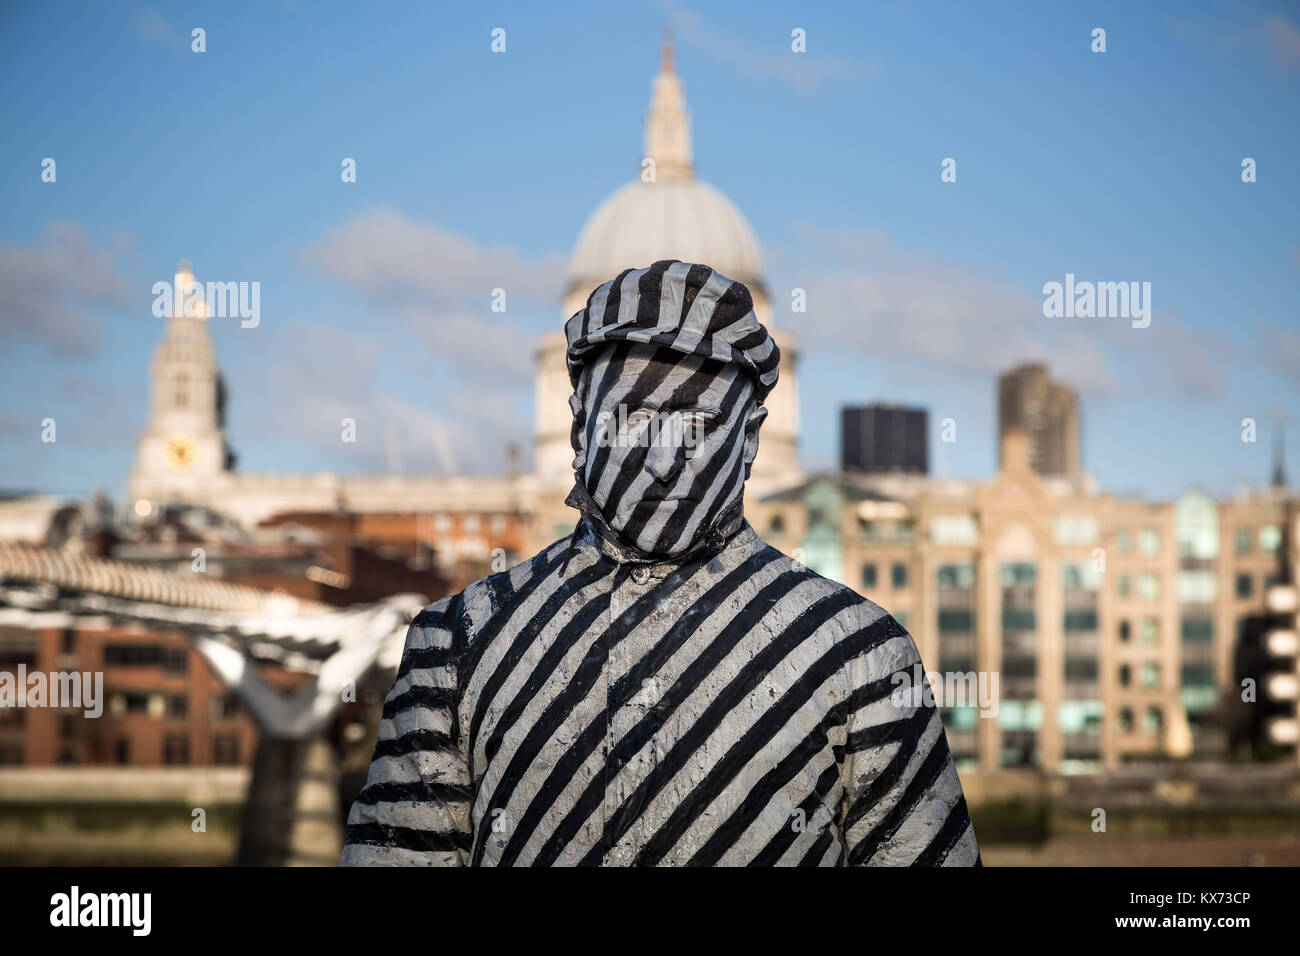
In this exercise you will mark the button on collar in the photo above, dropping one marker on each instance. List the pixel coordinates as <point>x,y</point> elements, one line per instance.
<point>640,574</point>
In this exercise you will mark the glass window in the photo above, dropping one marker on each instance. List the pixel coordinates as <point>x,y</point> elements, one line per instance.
<point>1197,630</point>
<point>469,524</point>
<point>1124,541</point>
<point>1026,715</point>
<point>1150,630</point>
<point>174,659</point>
<point>1196,526</point>
<point>1080,619</point>
<point>1076,529</point>
<point>1018,618</point>
<point>1150,674</point>
<point>1197,587</point>
<point>1243,537</point>
<point>1125,675</point>
<point>959,718</point>
<point>1079,716</point>
<point>954,529</point>
<point>956,576</point>
<point>899,576</point>
<point>225,750</point>
<point>1019,665</point>
<point>956,620</point>
<point>1153,721</point>
<point>1149,586</point>
<point>1080,577</point>
<point>1149,542</point>
<point>777,524</point>
<point>1270,536</point>
<point>1245,585</point>
<point>176,749</point>
<point>1124,630</point>
<point>1018,575</point>
<point>1126,719</point>
<point>1081,668</point>
<point>224,707</point>
<point>868,575</point>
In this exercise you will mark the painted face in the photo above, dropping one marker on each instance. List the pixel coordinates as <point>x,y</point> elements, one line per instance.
<point>665,443</point>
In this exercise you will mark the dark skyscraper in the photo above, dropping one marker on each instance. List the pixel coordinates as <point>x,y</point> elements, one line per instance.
<point>883,437</point>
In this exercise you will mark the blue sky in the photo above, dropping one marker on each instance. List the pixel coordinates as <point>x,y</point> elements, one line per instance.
<point>477,170</point>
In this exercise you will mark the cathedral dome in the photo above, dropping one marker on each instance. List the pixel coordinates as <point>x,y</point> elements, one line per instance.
<point>685,219</point>
<point>673,216</point>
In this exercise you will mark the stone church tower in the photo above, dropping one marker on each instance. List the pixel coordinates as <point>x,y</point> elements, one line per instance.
<point>183,448</point>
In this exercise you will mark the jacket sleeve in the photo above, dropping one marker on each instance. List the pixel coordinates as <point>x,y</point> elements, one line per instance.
<point>903,803</point>
<point>415,807</point>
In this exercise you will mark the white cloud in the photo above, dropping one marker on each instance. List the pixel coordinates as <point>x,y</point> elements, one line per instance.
<point>928,316</point>
<point>46,288</point>
<point>440,284</point>
<point>932,319</point>
<point>396,259</point>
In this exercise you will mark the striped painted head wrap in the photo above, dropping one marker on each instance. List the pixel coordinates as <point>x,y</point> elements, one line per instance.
<point>686,307</point>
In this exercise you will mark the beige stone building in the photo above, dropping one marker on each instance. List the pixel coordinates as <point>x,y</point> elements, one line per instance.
<point>1110,624</point>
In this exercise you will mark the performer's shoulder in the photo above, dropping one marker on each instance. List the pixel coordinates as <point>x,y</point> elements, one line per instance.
<point>491,594</point>
<point>863,610</point>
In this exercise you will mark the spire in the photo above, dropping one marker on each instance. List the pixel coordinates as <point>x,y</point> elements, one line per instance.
<point>1279,457</point>
<point>182,281</point>
<point>668,124</point>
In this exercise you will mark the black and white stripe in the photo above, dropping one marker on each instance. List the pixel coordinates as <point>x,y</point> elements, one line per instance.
<point>684,307</point>
<point>731,709</point>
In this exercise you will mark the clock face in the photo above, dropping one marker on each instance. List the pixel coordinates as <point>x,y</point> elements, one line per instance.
<point>180,452</point>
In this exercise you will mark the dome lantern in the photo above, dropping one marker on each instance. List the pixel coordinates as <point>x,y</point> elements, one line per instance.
<point>668,124</point>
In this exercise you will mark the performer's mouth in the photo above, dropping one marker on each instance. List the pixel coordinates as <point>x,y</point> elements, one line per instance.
<point>670,497</point>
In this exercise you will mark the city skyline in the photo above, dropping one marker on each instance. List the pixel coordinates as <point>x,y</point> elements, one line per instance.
<point>371,290</point>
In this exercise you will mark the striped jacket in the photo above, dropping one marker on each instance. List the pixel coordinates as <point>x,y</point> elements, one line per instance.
<point>730,709</point>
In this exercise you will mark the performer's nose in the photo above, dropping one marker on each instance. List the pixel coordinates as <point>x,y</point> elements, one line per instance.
<point>666,457</point>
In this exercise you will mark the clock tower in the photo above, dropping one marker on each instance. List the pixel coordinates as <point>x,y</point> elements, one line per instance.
<point>183,448</point>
